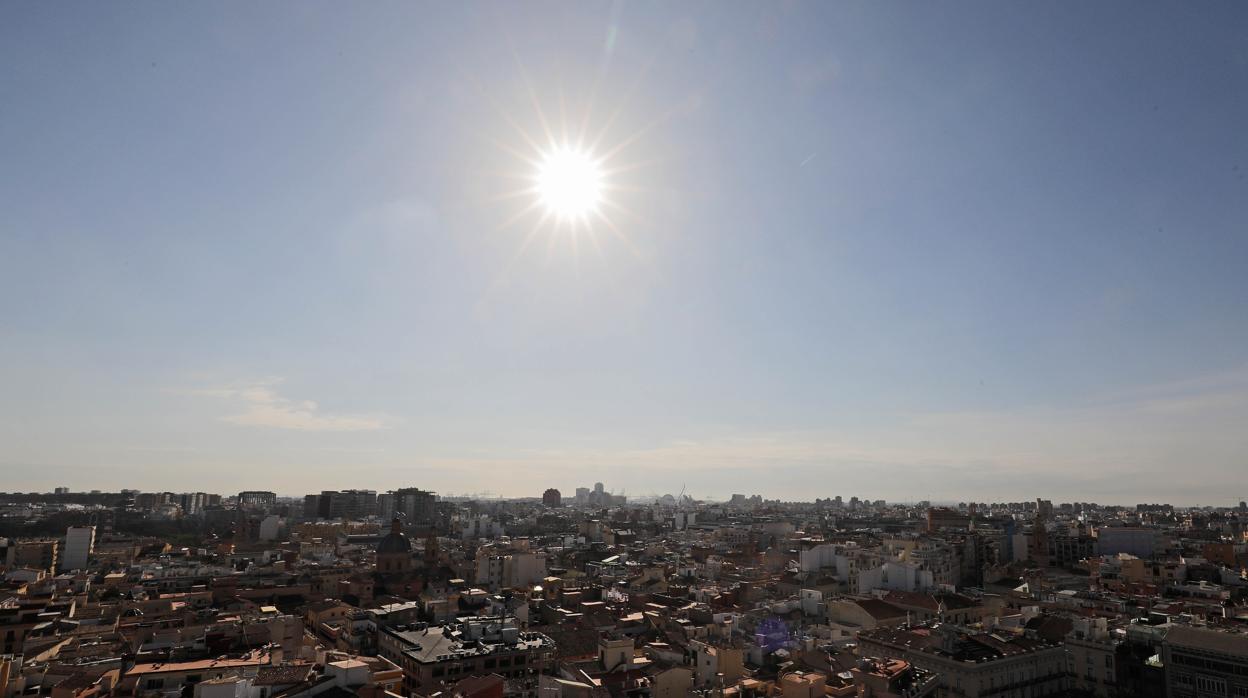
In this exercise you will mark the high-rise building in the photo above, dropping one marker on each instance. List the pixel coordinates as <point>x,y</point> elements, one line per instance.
<point>352,504</point>
<point>192,503</point>
<point>414,505</point>
<point>79,544</point>
<point>552,498</point>
<point>312,506</point>
<point>1044,509</point>
<point>340,504</point>
<point>599,497</point>
<point>385,506</point>
<point>152,500</point>
<point>256,499</point>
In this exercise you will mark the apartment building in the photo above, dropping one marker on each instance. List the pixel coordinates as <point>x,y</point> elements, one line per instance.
<point>432,656</point>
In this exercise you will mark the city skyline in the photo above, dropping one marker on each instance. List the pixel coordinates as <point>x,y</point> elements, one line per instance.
<point>605,349</point>
<point>571,494</point>
<point>972,252</point>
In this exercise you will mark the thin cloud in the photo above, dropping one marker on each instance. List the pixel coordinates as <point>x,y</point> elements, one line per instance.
<point>262,406</point>
<point>1183,438</point>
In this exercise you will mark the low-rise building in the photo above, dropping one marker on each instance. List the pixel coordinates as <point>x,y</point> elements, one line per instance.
<point>1092,657</point>
<point>432,656</point>
<point>1201,662</point>
<point>974,663</point>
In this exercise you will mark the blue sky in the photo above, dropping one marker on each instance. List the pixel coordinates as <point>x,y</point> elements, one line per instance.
<point>982,251</point>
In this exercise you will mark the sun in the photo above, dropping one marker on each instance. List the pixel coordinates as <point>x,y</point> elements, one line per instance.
<point>573,179</point>
<point>569,183</point>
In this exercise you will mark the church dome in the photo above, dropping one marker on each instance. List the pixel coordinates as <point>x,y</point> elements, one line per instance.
<point>394,542</point>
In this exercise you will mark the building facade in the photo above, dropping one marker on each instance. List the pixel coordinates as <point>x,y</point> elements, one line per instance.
<point>36,554</point>
<point>975,664</point>
<point>1202,662</point>
<point>416,506</point>
<point>256,499</point>
<point>79,544</point>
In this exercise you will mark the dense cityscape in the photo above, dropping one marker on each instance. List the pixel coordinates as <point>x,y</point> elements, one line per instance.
<point>615,349</point>
<point>405,593</point>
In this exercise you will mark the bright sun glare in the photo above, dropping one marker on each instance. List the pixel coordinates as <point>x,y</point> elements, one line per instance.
<point>569,183</point>
<point>569,174</point>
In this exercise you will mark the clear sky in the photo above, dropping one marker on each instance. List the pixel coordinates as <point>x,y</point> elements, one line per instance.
<point>952,250</point>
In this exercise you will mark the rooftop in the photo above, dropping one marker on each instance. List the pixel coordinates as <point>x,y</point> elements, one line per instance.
<point>456,641</point>
<point>254,659</point>
<point>1235,644</point>
<point>955,643</point>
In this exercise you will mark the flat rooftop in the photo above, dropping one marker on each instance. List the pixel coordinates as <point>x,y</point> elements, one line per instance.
<point>447,643</point>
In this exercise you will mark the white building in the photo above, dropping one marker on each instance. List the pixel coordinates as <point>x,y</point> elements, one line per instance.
<point>270,527</point>
<point>827,556</point>
<point>896,576</point>
<point>503,569</point>
<point>480,527</point>
<point>79,544</point>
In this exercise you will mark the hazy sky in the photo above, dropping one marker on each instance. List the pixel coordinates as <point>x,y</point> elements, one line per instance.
<point>904,250</point>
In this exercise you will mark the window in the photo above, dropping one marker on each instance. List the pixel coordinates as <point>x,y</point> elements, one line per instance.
<point>1240,692</point>
<point>1206,684</point>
